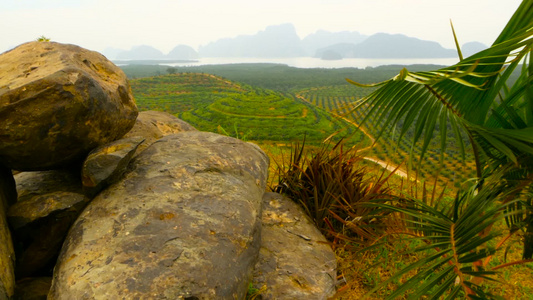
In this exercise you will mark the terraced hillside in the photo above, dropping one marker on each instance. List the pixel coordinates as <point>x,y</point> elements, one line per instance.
<point>211,103</point>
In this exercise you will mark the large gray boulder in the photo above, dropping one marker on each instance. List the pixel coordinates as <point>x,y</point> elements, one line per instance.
<point>183,223</point>
<point>58,102</point>
<point>8,195</point>
<point>295,261</point>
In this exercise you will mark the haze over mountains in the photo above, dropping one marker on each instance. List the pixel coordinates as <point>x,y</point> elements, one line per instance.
<point>181,52</point>
<point>282,41</point>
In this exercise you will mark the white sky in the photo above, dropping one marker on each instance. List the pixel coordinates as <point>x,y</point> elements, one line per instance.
<point>163,24</point>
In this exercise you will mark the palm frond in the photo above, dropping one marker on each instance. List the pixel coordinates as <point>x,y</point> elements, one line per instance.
<point>460,96</point>
<point>456,42</point>
<point>456,241</point>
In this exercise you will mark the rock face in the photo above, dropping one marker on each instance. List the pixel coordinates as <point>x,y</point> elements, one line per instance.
<point>48,203</point>
<point>8,195</point>
<point>33,288</point>
<point>294,261</point>
<point>183,223</point>
<point>58,102</point>
<point>107,163</point>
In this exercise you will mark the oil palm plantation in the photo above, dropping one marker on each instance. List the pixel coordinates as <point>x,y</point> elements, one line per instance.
<point>491,119</point>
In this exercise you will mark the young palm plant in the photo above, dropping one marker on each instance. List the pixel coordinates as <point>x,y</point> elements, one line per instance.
<point>456,245</point>
<point>471,99</point>
<point>465,96</point>
<point>332,184</point>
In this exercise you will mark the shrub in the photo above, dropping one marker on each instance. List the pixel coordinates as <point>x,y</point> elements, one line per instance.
<point>331,184</point>
<point>42,38</point>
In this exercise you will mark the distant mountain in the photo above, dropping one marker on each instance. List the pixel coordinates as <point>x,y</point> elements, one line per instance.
<point>282,41</point>
<point>323,39</point>
<point>182,52</point>
<point>142,52</point>
<point>471,48</point>
<point>384,45</point>
<point>342,50</point>
<point>111,53</point>
<point>274,42</point>
<point>278,41</point>
<point>331,55</point>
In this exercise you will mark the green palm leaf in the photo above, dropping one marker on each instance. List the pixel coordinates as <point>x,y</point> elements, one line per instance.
<point>472,100</point>
<point>455,239</point>
<point>464,97</point>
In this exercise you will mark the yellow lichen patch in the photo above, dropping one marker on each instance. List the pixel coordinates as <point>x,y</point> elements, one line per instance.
<point>71,257</point>
<point>274,218</point>
<point>165,129</point>
<point>166,216</point>
<point>275,203</point>
<point>114,148</point>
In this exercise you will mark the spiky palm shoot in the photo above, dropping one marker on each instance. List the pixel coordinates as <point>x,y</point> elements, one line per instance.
<point>331,184</point>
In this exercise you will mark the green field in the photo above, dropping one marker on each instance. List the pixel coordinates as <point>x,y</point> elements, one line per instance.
<point>211,103</point>
<point>278,77</point>
<point>270,103</point>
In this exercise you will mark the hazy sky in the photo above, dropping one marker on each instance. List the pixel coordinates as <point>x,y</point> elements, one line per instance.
<point>97,24</point>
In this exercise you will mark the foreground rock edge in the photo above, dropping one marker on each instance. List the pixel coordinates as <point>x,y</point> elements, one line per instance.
<point>295,260</point>
<point>184,222</point>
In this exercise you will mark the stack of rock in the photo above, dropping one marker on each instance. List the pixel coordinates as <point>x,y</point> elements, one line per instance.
<point>109,203</point>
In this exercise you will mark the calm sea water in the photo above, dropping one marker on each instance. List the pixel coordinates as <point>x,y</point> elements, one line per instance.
<point>310,62</point>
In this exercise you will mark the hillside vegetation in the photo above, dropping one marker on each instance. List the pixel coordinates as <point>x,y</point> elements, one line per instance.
<point>211,103</point>
<point>405,241</point>
<point>278,77</point>
<point>340,100</point>
<point>253,101</point>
